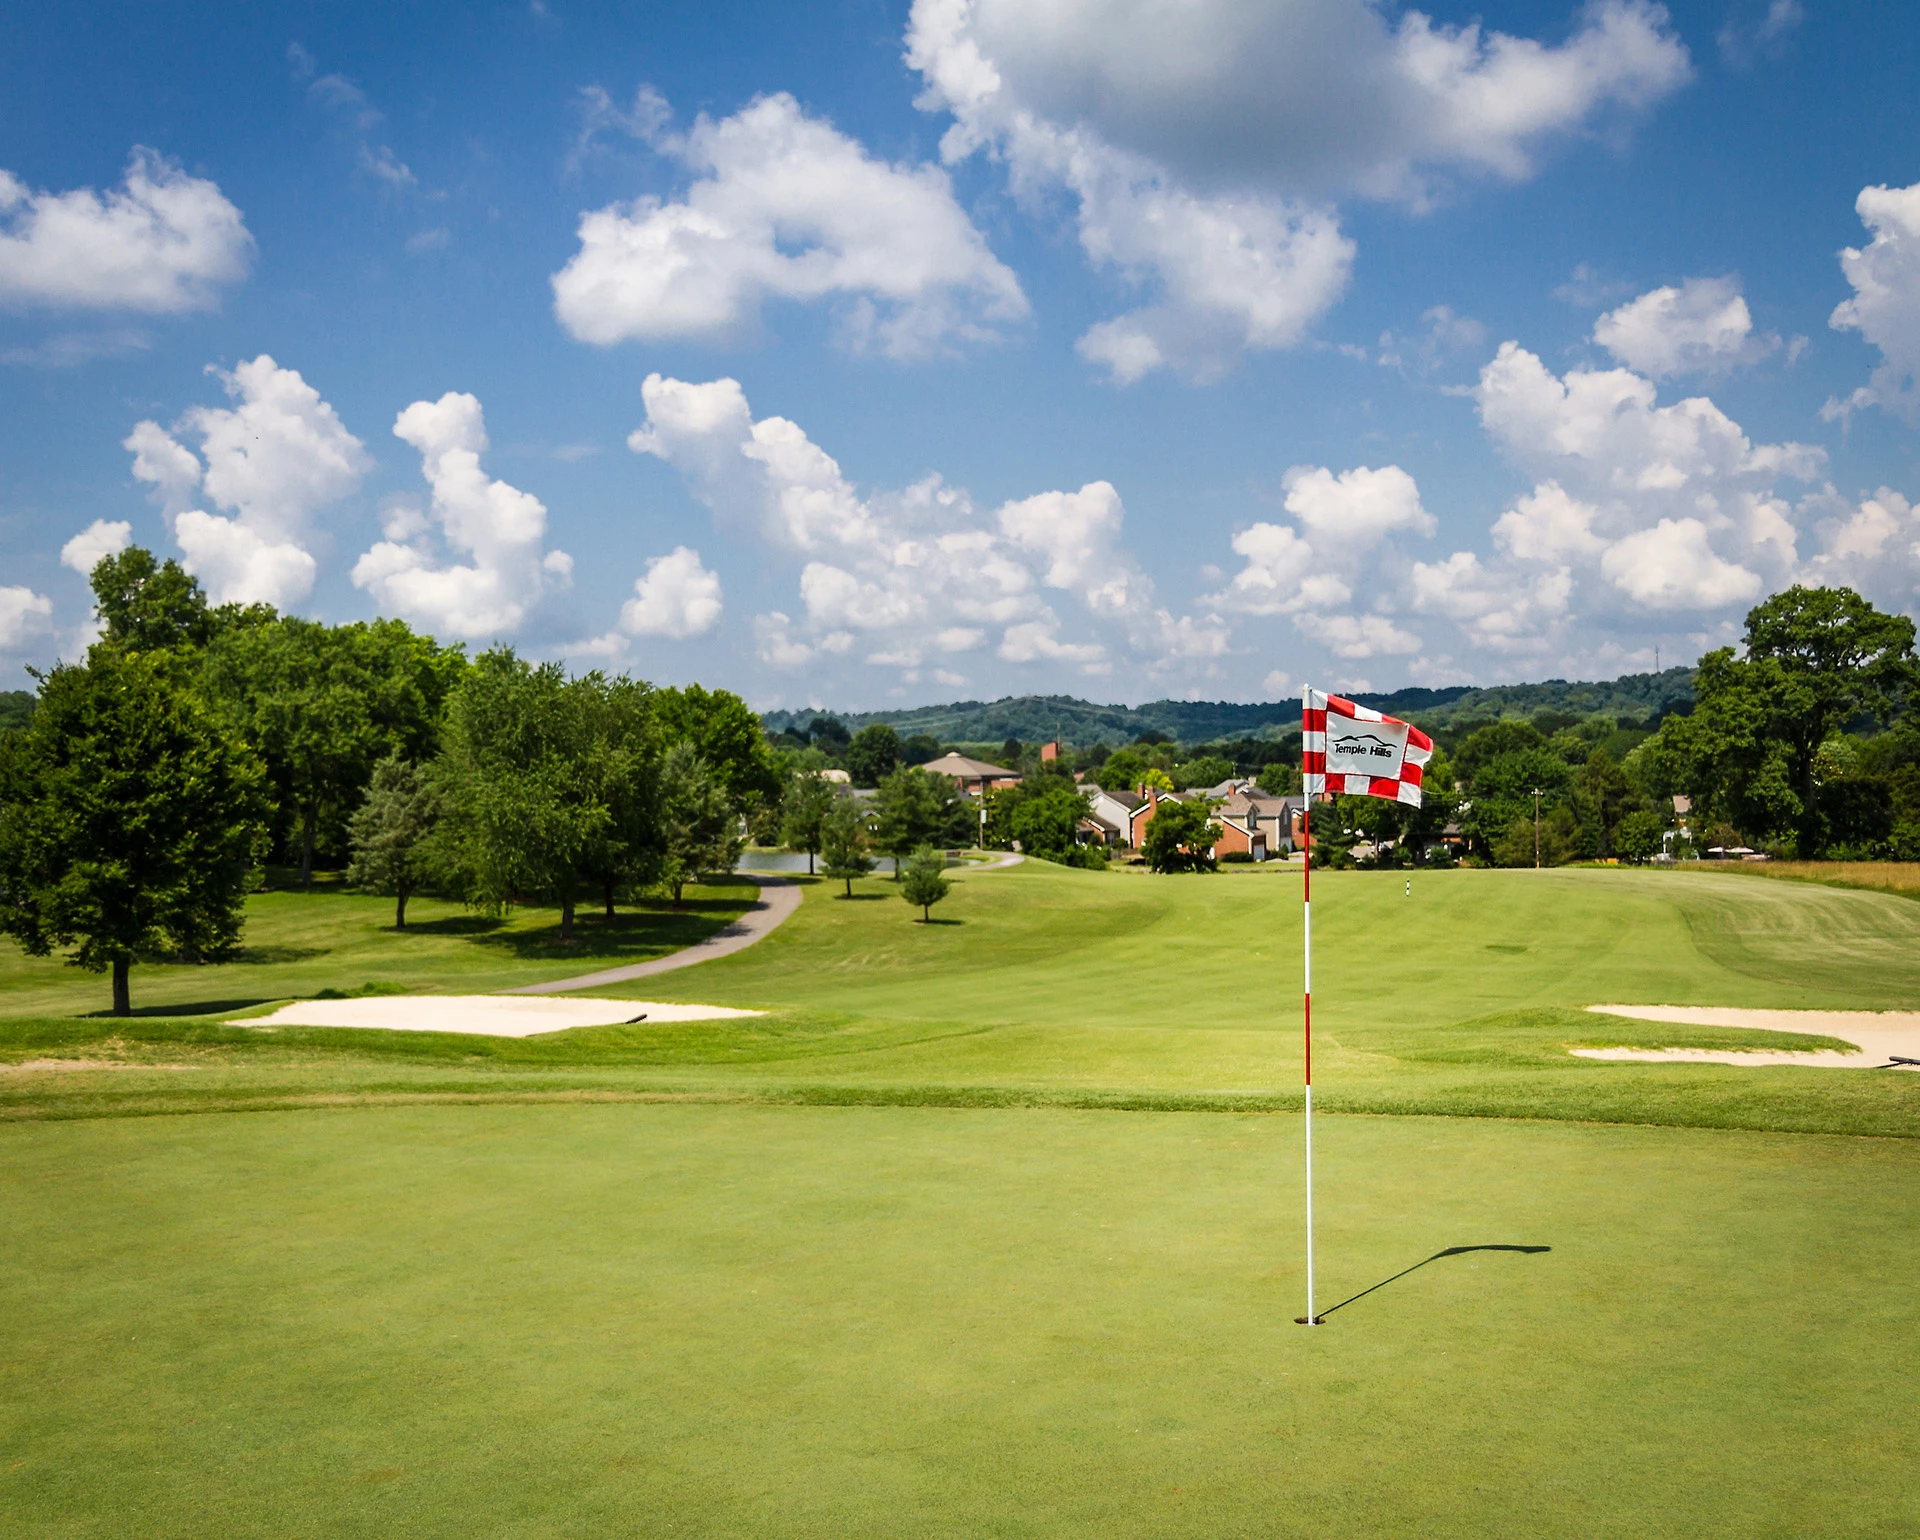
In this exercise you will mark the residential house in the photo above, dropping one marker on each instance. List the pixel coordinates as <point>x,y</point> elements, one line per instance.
<point>1240,834</point>
<point>1142,814</point>
<point>1113,811</point>
<point>974,775</point>
<point>1276,818</point>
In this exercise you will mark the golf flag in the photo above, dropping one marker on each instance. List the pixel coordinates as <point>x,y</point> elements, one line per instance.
<point>1357,751</point>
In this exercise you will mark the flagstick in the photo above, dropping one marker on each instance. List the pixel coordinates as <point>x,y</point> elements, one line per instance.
<point>1306,917</point>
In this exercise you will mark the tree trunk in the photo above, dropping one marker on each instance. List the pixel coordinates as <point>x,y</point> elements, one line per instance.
<point>1807,843</point>
<point>122,998</point>
<point>566,916</point>
<point>400,911</point>
<point>849,887</point>
<point>607,889</point>
<point>809,863</point>
<point>306,848</point>
<point>926,914</point>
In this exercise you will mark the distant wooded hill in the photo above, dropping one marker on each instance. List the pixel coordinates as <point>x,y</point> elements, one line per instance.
<point>1036,718</point>
<point>15,707</point>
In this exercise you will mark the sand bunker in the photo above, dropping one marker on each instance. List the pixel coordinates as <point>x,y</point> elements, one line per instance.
<point>482,1015</point>
<point>1880,1035</point>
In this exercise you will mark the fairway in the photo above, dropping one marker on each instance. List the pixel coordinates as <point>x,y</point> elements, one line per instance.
<point>989,1227</point>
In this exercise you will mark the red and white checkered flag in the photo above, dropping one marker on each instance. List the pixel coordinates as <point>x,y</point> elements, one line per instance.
<point>1356,751</point>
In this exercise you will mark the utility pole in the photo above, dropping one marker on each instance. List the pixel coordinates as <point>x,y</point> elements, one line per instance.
<point>1536,828</point>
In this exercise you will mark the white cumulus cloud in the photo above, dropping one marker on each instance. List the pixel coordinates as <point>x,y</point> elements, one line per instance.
<point>1603,433</point>
<point>1674,566</point>
<point>920,570</point>
<point>241,565</point>
<point>1206,144</point>
<point>1642,511</point>
<point>1335,568</point>
<point>1885,308</point>
<point>1643,515</point>
<point>1357,636</point>
<point>676,598</point>
<point>1356,507</point>
<point>273,460</point>
<point>500,529</point>
<point>24,615</point>
<point>99,540</point>
<point>785,206</point>
<point>1702,326</point>
<point>161,242</point>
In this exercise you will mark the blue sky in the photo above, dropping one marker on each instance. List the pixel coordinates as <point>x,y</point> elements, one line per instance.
<point>878,353</point>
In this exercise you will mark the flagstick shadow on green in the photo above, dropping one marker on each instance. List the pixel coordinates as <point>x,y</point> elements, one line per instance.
<point>1451,1251</point>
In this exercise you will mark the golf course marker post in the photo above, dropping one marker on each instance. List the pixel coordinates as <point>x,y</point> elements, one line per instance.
<point>1306,1019</point>
<point>1353,750</point>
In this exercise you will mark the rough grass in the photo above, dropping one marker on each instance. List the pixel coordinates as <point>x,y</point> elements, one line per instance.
<point>1902,877</point>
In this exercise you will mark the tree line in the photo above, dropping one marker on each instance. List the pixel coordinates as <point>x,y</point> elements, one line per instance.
<point>1801,741</point>
<point>197,743</point>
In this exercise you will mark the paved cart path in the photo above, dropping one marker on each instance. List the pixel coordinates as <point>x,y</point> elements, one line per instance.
<point>778,900</point>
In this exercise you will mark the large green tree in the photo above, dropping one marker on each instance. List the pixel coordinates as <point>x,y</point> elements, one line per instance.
<point>1042,814</point>
<point>873,754</point>
<point>628,851</point>
<point>130,819</point>
<point>843,843</point>
<point>727,735</point>
<point>1815,659</point>
<point>525,773</point>
<point>808,800</point>
<point>1121,770</point>
<point>146,605</point>
<point>1180,836</point>
<point>321,704</point>
<point>909,811</point>
<point>699,824</point>
<point>1822,656</point>
<point>391,833</point>
<point>1503,765</point>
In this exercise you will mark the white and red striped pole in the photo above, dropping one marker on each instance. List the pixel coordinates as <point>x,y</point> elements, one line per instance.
<point>1306,926</point>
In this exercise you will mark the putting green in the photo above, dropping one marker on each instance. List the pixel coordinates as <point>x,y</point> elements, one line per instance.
<point>782,1321</point>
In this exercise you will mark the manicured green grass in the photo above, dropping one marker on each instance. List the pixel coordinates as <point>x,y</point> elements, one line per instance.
<point>736,1321</point>
<point>297,944</point>
<point>1056,987</point>
<point>989,1227</point>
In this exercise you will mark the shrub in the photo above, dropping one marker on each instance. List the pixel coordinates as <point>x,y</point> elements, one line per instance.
<point>1636,837</point>
<point>1180,838</point>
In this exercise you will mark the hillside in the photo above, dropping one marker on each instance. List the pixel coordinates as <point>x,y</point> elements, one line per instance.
<point>1035,718</point>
